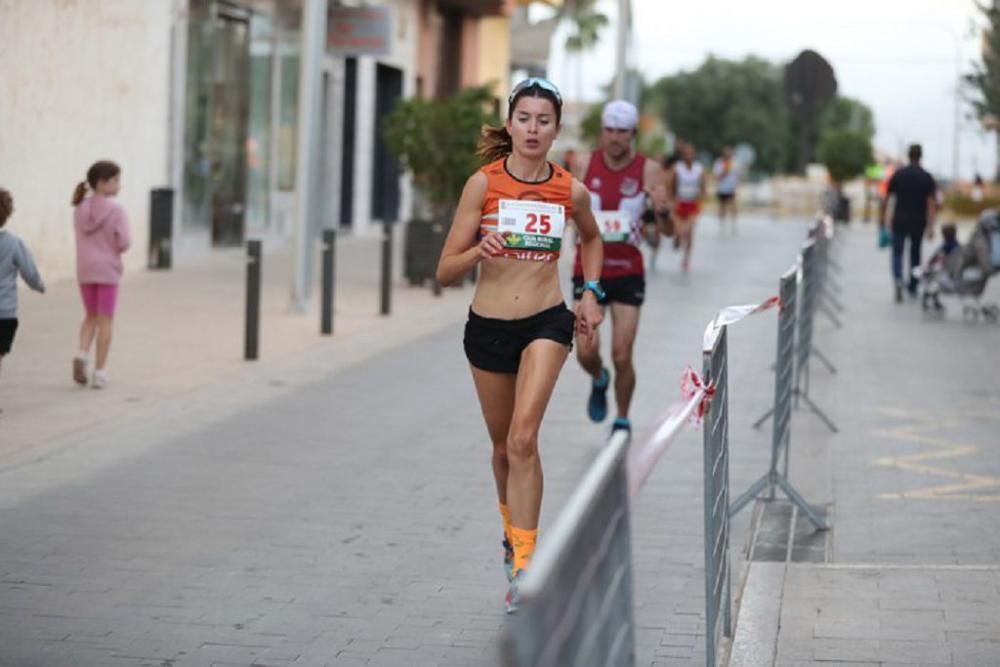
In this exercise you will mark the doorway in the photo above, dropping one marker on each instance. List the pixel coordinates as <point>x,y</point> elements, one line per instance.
<point>385,168</point>
<point>229,116</point>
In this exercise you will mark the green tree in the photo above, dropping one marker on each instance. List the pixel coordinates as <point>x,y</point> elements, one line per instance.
<point>845,153</point>
<point>436,140</point>
<point>984,80</point>
<point>587,24</point>
<point>726,102</point>
<point>847,113</point>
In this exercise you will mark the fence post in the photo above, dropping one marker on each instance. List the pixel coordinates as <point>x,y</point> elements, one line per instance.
<point>251,336</point>
<point>326,307</point>
<point>386,283</point>
<point>718,591</point>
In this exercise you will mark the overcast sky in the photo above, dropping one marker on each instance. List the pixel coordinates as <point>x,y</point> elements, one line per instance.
<point>901,57</point>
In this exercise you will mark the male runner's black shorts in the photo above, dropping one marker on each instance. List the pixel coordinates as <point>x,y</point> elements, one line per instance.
<point>7,329</point>
<point>630,290</point>
<point>725,197</point>
<point>496,345</point>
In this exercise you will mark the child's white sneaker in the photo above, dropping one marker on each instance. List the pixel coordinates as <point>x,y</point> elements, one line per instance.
<point>100,380</point>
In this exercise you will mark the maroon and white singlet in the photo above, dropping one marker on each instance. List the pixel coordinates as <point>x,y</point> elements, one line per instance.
<point>618,199</point>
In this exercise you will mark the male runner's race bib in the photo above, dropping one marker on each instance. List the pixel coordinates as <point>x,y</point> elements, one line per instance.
<point>531,225</point>
<point>615,226</point>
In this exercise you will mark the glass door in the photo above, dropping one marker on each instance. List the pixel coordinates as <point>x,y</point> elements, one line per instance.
<point>229,118</point>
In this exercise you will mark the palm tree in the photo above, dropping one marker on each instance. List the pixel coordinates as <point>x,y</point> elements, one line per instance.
<point>587,22</point>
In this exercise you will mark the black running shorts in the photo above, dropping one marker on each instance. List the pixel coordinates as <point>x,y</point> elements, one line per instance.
<point>7,329</point>
<point>630,290</point>
<point>496,345</point>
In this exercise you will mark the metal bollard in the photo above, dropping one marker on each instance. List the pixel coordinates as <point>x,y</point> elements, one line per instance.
<point>385,305</point>
<point>326,307</point>
<point>252,334</point>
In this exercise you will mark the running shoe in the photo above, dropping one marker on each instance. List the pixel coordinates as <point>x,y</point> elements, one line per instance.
<point>100,380</point>
<point>597,404</point>
<point>508,559</point>
<point>513,598</point>
<point>622,424</point>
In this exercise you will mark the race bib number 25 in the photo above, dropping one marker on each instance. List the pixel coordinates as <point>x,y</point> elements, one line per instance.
<point>531,225</point>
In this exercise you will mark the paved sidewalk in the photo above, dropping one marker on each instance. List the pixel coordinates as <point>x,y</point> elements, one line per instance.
<point>911,570</point>
<point>182,329</point>
<point>336,507</point>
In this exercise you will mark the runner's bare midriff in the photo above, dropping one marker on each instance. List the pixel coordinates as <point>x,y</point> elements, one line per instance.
<point>512,289</point>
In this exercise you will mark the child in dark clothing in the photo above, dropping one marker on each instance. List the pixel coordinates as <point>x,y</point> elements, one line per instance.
<point>14,260</point>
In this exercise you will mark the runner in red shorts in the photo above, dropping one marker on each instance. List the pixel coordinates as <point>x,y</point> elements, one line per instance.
<point>688,187</point>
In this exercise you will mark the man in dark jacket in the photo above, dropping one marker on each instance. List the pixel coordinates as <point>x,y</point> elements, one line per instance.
<point>914,191</point>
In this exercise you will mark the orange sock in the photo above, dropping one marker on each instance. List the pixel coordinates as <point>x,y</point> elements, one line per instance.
<point>505,513</point>
<point>523,540</point>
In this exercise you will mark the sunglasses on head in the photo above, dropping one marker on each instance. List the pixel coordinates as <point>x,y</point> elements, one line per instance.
<point>538,81</point>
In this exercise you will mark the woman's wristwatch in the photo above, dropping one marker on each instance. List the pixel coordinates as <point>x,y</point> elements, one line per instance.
<point>595,287</point>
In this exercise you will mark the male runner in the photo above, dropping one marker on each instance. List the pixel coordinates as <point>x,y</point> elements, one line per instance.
<point>619,179</point>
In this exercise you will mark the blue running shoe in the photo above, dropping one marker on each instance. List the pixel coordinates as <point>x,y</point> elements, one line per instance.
<point>508,559</point>
<point>622,424</point>
<point>513,599</point>
<point>597,405</point>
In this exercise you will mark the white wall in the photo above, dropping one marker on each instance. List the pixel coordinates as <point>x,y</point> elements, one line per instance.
<point>81,80</point>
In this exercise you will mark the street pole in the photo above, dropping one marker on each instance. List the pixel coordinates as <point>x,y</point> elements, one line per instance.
<point>955,139</point>
<point>624,20</point>
<point>310,77</point>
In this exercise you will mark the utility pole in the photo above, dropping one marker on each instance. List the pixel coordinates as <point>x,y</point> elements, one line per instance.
<point>621,47</point>
<point>314,17</point>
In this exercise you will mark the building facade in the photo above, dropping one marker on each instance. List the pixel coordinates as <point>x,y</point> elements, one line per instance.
<point>207,98</point>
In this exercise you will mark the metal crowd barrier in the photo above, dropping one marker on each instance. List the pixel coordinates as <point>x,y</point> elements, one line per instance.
<point>718,587</point>
<point>805,350</point>
<point>808,298</point>
<point>829,304</point>
<point>784,389</point>
<point>576,600</point>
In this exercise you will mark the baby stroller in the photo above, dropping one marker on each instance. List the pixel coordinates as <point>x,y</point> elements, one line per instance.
<point>965,270</point>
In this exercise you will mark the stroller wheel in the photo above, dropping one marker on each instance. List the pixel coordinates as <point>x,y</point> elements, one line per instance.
<point>970,313</point>
<point>990,314</point>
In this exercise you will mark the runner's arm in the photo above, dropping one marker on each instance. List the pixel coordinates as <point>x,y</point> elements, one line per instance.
<point>461,252</point>
<point>883,207</point>
<point>655,178</point>
<point>578,165</point>
<point>589,313</point>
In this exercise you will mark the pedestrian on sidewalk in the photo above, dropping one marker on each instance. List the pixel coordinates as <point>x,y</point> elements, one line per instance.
<point>102,236</point>
<point>688,189</point>
<point>510,222</point>
<point>619,179</point>
<point>15,259</point>
<point>913,216</point>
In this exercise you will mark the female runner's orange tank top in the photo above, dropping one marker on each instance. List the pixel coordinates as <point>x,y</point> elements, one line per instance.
<point>524,244</point>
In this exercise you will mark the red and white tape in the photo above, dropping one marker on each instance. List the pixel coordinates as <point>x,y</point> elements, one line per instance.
<point>732,314</point>
<point>696,397</point>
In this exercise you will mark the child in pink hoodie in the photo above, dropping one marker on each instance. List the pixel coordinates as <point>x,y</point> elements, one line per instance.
<point>102,235</point>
